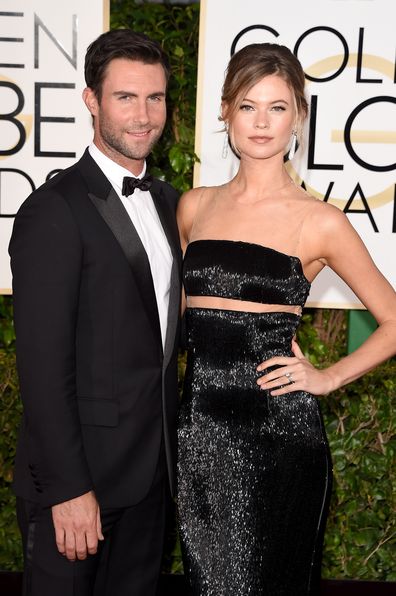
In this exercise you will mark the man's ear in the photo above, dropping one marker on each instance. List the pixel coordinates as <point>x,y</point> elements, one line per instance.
<point>90,100</point>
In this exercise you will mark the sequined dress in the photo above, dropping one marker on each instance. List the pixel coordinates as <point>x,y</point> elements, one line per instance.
<point>254,471</point>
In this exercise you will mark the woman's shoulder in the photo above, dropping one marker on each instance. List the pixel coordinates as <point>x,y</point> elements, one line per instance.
<point>194,195</point>
<point>189,205</point>
<point>326,221</point>
<point>191,200</point>
<point>321,211</point>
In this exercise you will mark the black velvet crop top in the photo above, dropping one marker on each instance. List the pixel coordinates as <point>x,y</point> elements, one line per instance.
<point>243,271</point>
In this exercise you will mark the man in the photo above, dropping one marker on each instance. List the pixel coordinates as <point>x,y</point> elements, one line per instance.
<point>96,264</point>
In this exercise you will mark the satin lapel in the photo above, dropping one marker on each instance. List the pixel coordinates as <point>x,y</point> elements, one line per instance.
<point>115,215</point>
<point>173,311</point>
<point>168,222</point>
<point>167,218</point>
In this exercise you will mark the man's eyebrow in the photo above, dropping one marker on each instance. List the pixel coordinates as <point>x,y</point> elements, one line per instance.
<point>133,94</point>
<point>125,93</point>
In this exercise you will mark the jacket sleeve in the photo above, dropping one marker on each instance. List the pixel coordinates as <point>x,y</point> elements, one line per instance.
<point>46,260</point>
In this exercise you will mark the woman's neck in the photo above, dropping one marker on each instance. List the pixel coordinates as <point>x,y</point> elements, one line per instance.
<point>258,179</point>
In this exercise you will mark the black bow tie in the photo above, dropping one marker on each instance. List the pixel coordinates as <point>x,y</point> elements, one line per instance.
<point>129,184</point>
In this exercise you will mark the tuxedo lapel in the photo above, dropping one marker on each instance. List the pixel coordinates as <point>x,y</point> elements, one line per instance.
<point>166,216</point>
<point>116,216</point>
<point>173,311</point>
<point>168,222</point>
<point>109,205</point>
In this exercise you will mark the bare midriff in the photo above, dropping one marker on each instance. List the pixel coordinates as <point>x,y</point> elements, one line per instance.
<point>240,305</point>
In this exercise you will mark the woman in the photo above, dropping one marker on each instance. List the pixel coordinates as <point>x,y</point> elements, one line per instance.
<point>254,469</point>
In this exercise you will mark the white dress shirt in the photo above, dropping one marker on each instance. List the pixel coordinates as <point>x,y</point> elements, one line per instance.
<point>141,209</point>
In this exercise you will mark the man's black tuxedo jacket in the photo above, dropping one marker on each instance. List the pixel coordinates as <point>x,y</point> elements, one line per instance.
<point>99,391</point>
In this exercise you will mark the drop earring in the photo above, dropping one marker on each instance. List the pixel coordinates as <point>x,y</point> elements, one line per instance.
<point>293,145</point>
<point>224,152</point>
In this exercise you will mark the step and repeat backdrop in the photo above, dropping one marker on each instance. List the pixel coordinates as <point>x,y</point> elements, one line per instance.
<point>44,125</point>
<point>347,49</point>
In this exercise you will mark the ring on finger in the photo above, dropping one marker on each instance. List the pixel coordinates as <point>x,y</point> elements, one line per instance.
<point>289,377</point>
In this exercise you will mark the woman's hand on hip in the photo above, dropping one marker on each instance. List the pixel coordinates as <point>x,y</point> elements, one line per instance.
<point>294,373</point>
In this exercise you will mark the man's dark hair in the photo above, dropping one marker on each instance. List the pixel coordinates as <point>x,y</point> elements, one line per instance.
<point>120,43</point>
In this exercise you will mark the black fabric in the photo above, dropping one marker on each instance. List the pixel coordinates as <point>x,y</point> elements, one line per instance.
<point>98,389</point>
<point>99,392</point>
<point>128,561</point>
<point>129,183</point>
<point>116,217</point>
<point>254,471</point>
<point>244,271</point>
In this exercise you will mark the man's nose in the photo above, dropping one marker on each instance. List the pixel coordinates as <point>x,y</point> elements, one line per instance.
<point>141,113</point>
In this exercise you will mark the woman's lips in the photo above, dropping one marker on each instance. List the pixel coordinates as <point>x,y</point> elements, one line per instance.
<point>260,139</point>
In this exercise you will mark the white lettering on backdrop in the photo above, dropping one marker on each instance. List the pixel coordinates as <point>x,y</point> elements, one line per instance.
<point>347,49</point>
<point>44,125</point>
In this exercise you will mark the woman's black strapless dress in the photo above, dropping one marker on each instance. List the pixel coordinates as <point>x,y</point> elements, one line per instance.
<point>254,470</point>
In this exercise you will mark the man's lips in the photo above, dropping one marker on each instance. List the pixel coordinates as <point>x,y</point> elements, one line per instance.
<point>138,133</point>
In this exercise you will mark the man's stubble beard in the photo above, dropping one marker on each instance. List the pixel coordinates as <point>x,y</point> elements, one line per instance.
<point>116,143</point>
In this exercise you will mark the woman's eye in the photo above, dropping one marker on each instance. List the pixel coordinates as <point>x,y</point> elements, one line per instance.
<point>246,107</point>
<point>278,108</point>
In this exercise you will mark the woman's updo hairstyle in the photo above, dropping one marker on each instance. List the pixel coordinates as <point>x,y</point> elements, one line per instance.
<point>254,62</point>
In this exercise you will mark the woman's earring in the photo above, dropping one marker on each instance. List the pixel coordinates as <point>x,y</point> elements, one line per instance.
<point>224,152</point>
<point>293,145</point>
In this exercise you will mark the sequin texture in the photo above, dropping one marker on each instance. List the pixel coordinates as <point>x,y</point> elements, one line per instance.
<point>244,271</point>
<point>254,470</point>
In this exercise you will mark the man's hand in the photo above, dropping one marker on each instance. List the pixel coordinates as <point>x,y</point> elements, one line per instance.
<point>77,526</point>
